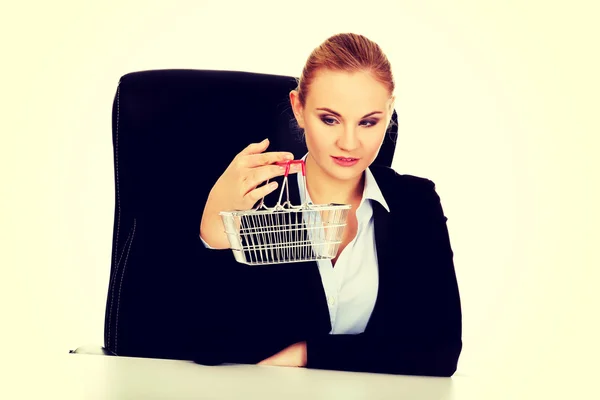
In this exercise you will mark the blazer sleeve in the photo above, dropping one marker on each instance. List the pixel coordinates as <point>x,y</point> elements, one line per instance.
<point>430,343</point>
<point>230,298</point>
<point>219,296</point>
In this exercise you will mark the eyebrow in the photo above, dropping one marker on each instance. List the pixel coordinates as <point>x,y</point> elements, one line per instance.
<point>339,115</point>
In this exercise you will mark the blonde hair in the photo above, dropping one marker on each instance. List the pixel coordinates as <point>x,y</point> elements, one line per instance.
<point>348,52</point>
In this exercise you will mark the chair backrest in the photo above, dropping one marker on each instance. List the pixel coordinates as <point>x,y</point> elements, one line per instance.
<point>174,133</point>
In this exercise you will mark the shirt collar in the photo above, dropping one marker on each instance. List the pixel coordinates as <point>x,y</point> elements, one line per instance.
<point>371,190</point>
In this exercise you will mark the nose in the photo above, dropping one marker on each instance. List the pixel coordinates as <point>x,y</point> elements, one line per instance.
<point>348,140</point>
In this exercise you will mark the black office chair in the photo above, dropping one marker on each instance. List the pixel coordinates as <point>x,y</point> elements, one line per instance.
<point>174,133</point>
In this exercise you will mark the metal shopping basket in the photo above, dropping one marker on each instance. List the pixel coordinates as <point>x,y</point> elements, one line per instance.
<point>286,233</point>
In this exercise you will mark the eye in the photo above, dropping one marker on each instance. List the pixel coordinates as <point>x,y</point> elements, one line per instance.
<point>331,121</point>
<point>328,120</point>
<point>371,122</point>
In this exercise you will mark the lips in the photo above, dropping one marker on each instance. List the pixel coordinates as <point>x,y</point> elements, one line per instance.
<point>345,159</point>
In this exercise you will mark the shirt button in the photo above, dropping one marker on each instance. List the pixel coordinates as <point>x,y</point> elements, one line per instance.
<point>331,300</point>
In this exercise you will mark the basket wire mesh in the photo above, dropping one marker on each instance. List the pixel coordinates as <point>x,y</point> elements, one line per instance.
<point>286,233</point>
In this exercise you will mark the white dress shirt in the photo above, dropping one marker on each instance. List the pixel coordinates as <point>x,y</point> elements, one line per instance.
<point>351,287</point>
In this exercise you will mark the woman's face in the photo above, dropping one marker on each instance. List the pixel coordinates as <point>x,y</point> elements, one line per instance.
<point>345,115</point>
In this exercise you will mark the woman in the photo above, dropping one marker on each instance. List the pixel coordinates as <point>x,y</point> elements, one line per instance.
<point>389,302</point>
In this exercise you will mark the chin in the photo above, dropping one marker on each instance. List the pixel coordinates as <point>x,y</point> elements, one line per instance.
<point>346,173</point>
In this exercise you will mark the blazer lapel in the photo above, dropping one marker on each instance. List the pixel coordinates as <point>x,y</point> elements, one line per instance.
<point>385,256</point>
<point>381,218</point>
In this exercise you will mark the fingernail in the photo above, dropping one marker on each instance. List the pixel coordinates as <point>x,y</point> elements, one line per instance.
<point>289,156</point>
<point>264,140</point>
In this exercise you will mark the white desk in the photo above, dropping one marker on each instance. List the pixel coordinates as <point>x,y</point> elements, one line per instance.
<point>78,376</point>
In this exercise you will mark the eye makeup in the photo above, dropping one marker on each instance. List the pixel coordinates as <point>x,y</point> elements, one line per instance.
<point>331,121</point>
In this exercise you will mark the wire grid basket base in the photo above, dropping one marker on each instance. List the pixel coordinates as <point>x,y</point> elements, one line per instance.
<point>305,233</point>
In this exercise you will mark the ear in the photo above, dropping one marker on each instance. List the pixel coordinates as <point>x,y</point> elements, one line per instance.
<point>297,108</point>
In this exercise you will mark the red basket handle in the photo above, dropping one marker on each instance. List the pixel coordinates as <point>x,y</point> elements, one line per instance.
<point>288,163</point>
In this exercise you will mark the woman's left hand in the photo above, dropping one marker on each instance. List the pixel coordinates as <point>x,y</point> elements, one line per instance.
<point>291,356</point>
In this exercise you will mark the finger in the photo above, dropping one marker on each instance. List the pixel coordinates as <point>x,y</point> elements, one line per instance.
<point>255,148</point>
<point>258,175</point>
<point>257,160</point>
<point>254,195</point>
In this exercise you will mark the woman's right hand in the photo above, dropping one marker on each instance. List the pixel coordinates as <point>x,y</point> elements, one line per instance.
<point>237,188</point>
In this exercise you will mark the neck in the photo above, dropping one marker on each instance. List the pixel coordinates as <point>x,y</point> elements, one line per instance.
<point>324,188</point>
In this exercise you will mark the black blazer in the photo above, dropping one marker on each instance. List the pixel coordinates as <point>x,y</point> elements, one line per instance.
<point>204,306</point>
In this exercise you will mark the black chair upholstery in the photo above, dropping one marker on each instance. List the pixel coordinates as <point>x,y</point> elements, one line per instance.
<point>174,133</point>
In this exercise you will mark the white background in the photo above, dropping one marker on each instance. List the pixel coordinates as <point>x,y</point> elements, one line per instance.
<point>498,104</point>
